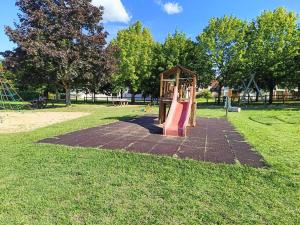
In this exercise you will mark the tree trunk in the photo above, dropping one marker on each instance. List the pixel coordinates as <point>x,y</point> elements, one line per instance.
<point>46,93</point>
<point>121,93</point>
<point>257,95</point>
<point>57,96</point>
<point>271,89</point>
<point>298,90</point>
<point>132,97</point>
<point>219,94</point>
<point>94,96</point>
<point>68,95</point>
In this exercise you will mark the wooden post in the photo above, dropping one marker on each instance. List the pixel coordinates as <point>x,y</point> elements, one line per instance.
<point>161,111</point>
<point>161,84</point>
<point>177,78</point>
<point>194,104</point>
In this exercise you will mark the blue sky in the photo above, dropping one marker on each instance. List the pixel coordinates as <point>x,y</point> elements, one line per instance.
<point>161,16</point>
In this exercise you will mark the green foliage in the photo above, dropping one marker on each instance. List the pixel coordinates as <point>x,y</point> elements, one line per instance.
<point>222,42</point>
<point>57,39</point>
<point>29,95</point>
<point>273,42</point>
<point>205,94</point>
<point>135,56</point>
<point>177,50</point>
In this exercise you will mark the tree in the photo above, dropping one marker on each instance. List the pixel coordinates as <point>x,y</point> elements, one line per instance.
<point>292,80</point>
<point>273,42</point>
<point>60,32</point>
<point>29,70</point>
<point>222,43</point>
<point>134,58</point>
<point>203,66</point>
<point>151,83</point>
<point>178,50</point>
<point>96,74</point>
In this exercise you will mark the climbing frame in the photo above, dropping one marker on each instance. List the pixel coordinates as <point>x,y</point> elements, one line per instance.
<point>184,79</point>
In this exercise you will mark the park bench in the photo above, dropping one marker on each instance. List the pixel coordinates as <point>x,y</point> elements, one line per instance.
<point>120,102</point>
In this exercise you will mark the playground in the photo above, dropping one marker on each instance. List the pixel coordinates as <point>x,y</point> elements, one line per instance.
<point>149,112</point>
<point>123,161</point>
<point>118,186</point>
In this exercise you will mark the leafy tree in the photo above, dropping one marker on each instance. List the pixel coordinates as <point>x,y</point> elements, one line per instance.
<point>134,57</point>
<point>60,33</point>
<point>151,83</point>
<point>222,43</point>
<point>294,67</point>
<point>203,66</point>
<point>177,50</point>
<point>29,72</point>
<point>273,42</point>
<point>96,74</point>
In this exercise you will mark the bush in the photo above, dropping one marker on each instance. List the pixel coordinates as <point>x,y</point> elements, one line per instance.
<point>205,94</point>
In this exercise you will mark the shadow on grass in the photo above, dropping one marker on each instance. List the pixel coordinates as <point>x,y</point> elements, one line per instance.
<point>270,120</point>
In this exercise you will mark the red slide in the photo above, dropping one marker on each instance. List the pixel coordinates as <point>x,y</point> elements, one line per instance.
<point>179,115</point>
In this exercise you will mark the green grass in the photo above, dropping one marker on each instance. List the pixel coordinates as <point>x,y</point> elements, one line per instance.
<point>52,184</point>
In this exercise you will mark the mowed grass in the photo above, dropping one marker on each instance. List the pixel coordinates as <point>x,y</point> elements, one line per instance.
<point>52,184</point>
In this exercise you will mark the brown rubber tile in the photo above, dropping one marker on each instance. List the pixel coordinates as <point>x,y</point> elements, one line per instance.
<point>165,149</point>
<point>142,146</point>
<point>211,140</point>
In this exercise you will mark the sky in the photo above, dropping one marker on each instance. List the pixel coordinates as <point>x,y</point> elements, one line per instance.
<point>161,16</point>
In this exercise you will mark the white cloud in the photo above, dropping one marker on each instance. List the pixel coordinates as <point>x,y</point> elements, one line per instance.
<point>172,8</point>
<point>114,10</point>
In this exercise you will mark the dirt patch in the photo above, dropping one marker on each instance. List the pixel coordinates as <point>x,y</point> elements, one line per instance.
<point>13,122</point>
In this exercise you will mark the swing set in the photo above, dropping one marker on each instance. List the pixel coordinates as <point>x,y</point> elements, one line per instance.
<point>249,87</point>
<point>9,98</point>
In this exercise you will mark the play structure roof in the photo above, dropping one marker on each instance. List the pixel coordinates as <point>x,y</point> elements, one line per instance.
<point>180,68</point>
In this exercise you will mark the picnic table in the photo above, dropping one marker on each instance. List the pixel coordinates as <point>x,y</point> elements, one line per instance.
<point>120,102</point>
<point>40,103</point>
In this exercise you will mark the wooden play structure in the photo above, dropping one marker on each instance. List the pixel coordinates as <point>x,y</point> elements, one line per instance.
<point>177,104</point>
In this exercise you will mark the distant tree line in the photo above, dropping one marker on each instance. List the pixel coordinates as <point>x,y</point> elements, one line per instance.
<point>61,45</point>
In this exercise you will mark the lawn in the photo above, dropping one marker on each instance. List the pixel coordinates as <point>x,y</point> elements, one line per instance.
<point>52,184</point>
